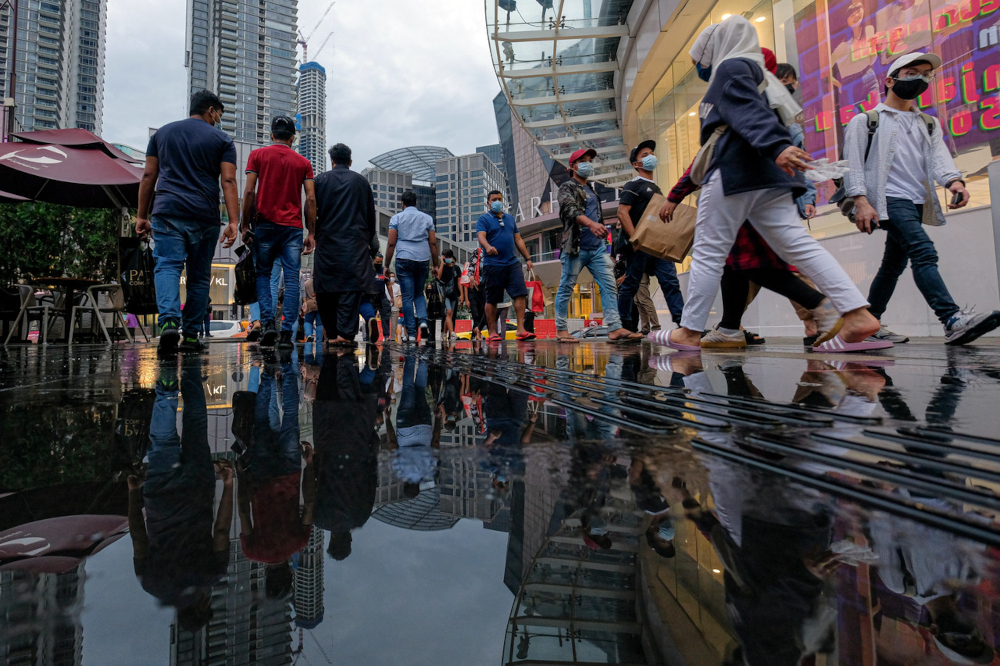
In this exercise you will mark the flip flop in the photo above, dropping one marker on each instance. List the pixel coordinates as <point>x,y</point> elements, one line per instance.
<point>837,345</point>
<point>753,338</point>
<point>662,337</point>
<point>496,338</point>
<point>525,337</point>
<point>570,340</point>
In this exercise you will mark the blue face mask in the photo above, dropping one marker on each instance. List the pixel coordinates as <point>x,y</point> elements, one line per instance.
<point>585,169</point>
<point>666,531</point>
<point>704,73</point>
<point>649,162</point>
<point>496,206</point>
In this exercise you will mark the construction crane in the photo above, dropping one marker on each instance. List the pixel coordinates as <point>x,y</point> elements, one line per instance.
<point>304,41</point>
<point>325,41</point>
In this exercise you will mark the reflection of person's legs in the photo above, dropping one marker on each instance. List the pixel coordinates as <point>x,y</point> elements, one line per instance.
<point>165,443</point>
<point>170,251</point>
<point>571,267</point>
<point>202,241</point>
<point>666,274</point>
<point>599,265</point>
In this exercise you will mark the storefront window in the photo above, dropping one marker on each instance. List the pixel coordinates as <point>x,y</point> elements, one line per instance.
<point>842,51</point>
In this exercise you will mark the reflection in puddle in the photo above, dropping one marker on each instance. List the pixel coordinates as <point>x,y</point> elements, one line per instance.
<point>532,504</point>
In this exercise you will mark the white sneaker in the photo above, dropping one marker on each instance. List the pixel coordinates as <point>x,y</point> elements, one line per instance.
<point>885,335</point>
<point>965,326</point>
<point>716,339</point>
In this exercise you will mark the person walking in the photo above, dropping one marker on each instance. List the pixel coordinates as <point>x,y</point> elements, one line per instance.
<point>649,320</point>
<point>448,274</point>
<point>749,177</point>
<point>413,232</point>
<point>891,178</point>
<point>584,241</point>
<point>476,299</point>
<point>501,270</point>
<point>372,303</point>
<point>184,163</point>
<point>346,244</point>
<point>383,299</point>
<point>272,203</point>
<point>635,197</point>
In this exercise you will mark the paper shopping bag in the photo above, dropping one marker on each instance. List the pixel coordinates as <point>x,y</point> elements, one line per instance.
<point>666,240</point>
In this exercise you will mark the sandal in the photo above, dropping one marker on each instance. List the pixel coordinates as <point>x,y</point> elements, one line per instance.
<point>568,340</point>
<point>525,337</point>
<point>838,345</point>
<point>753,338</point>
<point>496,338</point>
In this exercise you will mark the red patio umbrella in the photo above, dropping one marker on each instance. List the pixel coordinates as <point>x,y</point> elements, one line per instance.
<point>55,545</point>
<point>74,138</point>
<point>7,197</point>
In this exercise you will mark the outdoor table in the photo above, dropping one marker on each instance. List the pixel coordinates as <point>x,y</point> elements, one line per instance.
<point>67,285</point>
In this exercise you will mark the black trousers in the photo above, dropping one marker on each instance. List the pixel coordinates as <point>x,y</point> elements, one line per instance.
<point>477,303</point>
<point>340,311</point>
<point>736,288</point>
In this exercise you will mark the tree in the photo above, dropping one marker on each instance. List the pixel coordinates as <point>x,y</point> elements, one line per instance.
<point>39,239</point>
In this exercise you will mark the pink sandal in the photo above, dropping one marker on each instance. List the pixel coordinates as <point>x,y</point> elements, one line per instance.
<point>662,337</point>
<point>837,345</point>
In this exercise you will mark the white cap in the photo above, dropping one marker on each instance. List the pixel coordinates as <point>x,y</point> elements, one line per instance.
<point>902,61</point>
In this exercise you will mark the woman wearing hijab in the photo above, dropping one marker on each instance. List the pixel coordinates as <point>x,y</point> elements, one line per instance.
<point>753,177</point>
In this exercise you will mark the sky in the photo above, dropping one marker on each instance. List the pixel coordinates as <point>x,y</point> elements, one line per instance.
<point>399,72</point>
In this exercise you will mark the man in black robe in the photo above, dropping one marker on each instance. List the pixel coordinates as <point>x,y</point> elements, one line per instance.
<point>346,244</point>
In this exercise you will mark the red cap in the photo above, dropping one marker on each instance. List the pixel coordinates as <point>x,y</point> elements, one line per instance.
<point>580,153</point>
<point>770,62</point>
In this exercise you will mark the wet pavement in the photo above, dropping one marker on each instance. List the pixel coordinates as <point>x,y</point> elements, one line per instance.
<point>525,503</point>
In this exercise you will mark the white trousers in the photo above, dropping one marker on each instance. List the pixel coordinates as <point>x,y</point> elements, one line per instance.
<point>773,214</point>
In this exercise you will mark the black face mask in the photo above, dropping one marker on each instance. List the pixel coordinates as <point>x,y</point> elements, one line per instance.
<point>910,88</point>
<point>790,88</point>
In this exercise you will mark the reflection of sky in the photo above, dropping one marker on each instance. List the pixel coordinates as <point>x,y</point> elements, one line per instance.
<point>402,597</point>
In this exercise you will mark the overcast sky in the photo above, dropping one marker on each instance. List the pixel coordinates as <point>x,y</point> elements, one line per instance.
<point>399,72</point>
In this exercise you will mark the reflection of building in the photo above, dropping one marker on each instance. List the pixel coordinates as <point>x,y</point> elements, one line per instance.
<point>308,600</point>
<point>244,51</point>
<point>608,75</point>
<point>312,115</point>
<point>40,617</point>
<point>60,63</point>
<point>462,184</point>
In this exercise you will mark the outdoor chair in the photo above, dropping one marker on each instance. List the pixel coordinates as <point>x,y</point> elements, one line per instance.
<point>45,309</point>
<point>114,304</point>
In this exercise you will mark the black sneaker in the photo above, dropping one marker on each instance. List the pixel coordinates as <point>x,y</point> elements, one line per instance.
<point>270,336</point>
<point>285,341</point>
<point>167,381</point>
<point>170,335</point>
<point>373,335</point>
<point>191,344</point>
<point>425,333</point>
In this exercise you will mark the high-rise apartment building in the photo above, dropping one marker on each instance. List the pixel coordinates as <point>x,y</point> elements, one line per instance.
<point>60,63</point>
<point>388,186</point>
<point>244,51</point>
<point>462,183</point>
<point>311,116</point>
<point>308,598</point>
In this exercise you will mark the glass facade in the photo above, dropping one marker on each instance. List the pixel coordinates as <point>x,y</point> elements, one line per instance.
<point>461,184</point>
<point>842,52</point>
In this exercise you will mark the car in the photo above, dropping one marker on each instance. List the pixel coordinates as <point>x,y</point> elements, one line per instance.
<point>225,328</point>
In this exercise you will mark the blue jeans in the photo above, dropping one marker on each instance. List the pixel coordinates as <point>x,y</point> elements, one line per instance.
<point>412,275</point>
<point>599,264</point>
<point>907,241</point>
<point>275,450</point>
<point>275,286</point>
<point>314,325</point>
<point>666,274</point>
<point>175,460</point>
<point>278,244</point>
<point>178,242</point>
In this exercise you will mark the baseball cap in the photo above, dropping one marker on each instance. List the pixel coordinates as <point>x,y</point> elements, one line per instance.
<point>580,153</point>
<point>283,124</point>
<point>648,143</point>
<point>903,61</point>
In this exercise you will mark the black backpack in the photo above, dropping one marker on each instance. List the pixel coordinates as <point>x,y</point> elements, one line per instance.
<point>840,198</point>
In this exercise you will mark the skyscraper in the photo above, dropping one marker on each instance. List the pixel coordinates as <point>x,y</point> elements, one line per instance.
<point>308,599</point>
<point>60,63</point>
<point>312,114</point>
<point>462,184</point>
<point>244,51</point>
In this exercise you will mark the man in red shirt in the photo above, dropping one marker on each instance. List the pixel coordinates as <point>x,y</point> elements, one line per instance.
<point>276,176</point>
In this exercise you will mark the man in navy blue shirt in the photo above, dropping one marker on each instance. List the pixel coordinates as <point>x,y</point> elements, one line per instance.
<point>184,161</point>
<point>501,269</point>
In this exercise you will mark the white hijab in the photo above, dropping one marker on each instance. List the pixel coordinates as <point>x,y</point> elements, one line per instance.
<point>735,37</point>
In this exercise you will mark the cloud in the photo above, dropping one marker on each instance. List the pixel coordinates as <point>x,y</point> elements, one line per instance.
<point>400,72</point>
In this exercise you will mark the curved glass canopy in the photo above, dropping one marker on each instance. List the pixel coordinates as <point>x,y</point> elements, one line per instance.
<point>556,61</point>
<point>417,160</point>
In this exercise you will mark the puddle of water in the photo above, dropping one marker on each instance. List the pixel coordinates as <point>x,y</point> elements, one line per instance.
<point>531,504</point>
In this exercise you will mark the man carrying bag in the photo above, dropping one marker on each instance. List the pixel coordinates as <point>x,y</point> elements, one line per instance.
<point>635,199</point>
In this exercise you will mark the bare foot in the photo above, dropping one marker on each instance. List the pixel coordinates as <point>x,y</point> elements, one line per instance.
<point>565,336</point>
<point>624,333</point>
<point>858,325</point>
<point>686,365</point>
<point>810,327</point>
<point>686,336</point>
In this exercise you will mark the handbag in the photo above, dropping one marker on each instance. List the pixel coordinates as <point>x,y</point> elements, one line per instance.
<point>138,288</point>
<point>538,292</point>
<point>667,240</point>
<point>246,277</point>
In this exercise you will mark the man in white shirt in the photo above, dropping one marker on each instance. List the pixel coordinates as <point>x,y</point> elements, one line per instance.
<point>891,178</point>
<point>413,233</point>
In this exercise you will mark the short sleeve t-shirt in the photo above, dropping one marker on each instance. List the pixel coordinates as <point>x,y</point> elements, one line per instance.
<point>588,241</point>
<point>907,172</point>
<point>636,194</point>
<point>499,234</point>
<point>413,228</point>
<point>280,174</point>
<point>278,532</point>
<point>190,154</point>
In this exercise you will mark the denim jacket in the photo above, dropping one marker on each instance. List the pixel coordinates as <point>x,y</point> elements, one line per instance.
<point>572,204</point>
